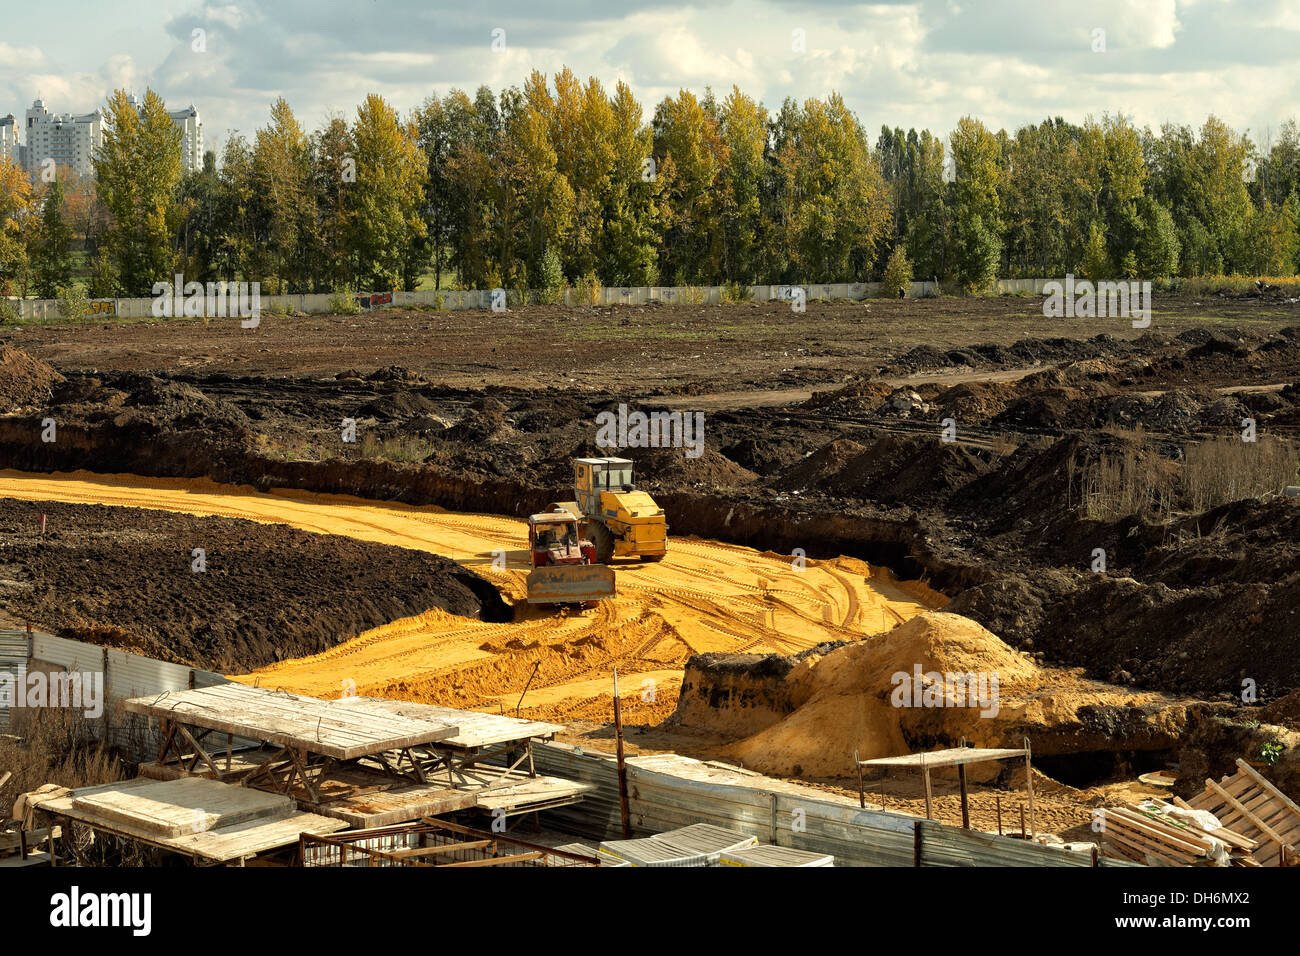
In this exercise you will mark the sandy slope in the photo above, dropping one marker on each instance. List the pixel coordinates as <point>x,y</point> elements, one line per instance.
<point>706,596</point>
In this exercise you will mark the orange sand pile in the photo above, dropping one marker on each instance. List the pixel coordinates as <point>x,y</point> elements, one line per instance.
<point>845,700</point>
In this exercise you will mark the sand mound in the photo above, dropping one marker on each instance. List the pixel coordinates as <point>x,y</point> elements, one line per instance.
<point>847,696</point>
<point>24,380</point>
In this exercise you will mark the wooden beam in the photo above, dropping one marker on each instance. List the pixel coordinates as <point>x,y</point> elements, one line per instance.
<point>445,848</point>
<point>198,751</point>
<point>1029,785</point>
<point>498,860</point>
<point>929,796</point>
<point>1237,805</point>
<point>965,797</point>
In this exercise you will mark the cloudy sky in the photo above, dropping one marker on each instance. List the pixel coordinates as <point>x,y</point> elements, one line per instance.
<point>923,63</point>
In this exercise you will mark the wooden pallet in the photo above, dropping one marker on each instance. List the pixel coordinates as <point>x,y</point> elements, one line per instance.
<point>1250,805</point>
<point>1149,837</point>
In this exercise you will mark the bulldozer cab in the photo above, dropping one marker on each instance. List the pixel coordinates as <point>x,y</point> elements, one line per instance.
<point>549,529</point>
<point>591,476</point>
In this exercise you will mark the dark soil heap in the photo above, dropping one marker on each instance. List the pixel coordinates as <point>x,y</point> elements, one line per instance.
<point>24,381</point>
<point>124,577</point>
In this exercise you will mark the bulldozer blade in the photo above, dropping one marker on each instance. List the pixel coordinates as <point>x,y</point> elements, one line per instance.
<point>570,584</point>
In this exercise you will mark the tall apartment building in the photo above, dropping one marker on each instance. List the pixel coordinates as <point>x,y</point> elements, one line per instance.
<point>71,139</point>
<point>191,127</point>
<point>11,145</point>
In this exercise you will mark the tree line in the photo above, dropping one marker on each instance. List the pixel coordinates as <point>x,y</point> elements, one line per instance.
<point>562,181</point>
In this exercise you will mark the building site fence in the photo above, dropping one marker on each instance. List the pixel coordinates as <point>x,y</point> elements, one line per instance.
<point>659,800</point>
<point>324,302</point>
<point>124,675</point>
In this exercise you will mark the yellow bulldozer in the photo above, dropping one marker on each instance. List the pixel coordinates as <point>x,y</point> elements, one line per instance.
<point>619,520</point>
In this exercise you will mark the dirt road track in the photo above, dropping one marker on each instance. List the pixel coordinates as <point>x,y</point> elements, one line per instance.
<point>706,596</point>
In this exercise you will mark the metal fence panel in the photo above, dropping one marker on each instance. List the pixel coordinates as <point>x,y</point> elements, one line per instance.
<point>14,651</point>
<point>125,675</point>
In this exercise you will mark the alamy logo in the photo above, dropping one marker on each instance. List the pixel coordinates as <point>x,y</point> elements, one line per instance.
<point>1083,299</point>
<point>74,909</point>
<point>216,300</point>
<point>933,689</point>
<point>635,429</point>
<point>75,690</point>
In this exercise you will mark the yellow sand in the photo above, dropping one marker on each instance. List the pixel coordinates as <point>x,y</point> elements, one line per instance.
<point>705,596</point>
<point>844,700</point>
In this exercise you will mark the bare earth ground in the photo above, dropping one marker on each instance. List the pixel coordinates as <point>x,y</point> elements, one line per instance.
<point>641,348</point>
<point>500,402</point>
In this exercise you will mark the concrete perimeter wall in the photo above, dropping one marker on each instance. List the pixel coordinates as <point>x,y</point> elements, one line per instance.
<point>320,302</point>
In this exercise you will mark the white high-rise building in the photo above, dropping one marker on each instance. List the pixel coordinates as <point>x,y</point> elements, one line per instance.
<point>71,139</point>
<point>191,127</point>
<point>11,144</point>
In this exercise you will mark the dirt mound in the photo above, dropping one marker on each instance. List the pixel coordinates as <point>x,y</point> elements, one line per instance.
<point>892,469</point>
<point>1176,411</point>
<point>764,455</point>
<point>974,401</point>
<point>928,682</point>
<point>24,381</point>
<point>820,466</point>
<point>480,426</point>
<point>400,405</point>
<point>126,578</point>
<point>855,398</point>
<point>670,468</point>
<point>396,373</point>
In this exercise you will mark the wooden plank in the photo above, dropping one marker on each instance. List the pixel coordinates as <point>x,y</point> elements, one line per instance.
<point>1263,783</point>
<point>498,860</point>
<point>1259,824</point>
<point>445,848</point>
<point>952,757</point>
<point>474,729</point>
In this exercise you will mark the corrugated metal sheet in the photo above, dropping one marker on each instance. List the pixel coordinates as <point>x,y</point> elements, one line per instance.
<point>951,846</point>
<point>661,800</point>
<point>126,675</point>
<point>70,655</point>
<point>13,654</point>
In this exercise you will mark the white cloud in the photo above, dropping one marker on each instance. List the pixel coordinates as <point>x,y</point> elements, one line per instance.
<point>923,64</point>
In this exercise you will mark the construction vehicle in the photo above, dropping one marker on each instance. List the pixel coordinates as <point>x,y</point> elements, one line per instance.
<point>620,521</point>
<point>564,563</point>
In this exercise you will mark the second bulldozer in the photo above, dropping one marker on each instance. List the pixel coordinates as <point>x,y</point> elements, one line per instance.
<point>619,520</point>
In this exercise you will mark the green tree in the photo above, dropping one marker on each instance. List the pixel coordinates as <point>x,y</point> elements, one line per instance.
<point>282,178</point>
<point>898,273</point>
<point>139,168</point>
<point>689,154</point>
<point>1096,260</point>
<point>1271,241</point>
<point>51,257</point>
<point>15,213</point>
<point>743,127</point>
<point>387,197</point>
<point>976,206</point>
<point>1157,243</point>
